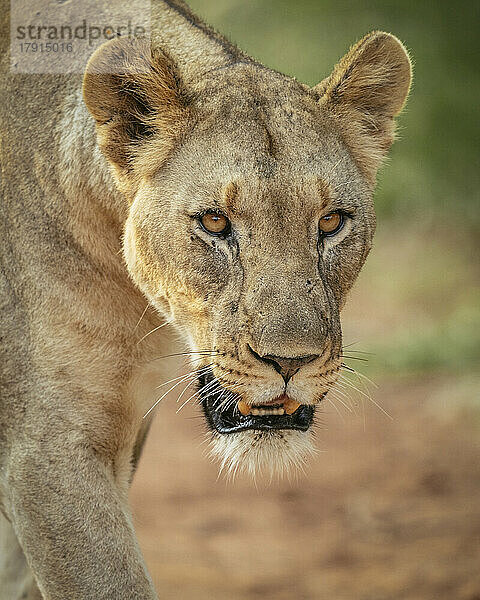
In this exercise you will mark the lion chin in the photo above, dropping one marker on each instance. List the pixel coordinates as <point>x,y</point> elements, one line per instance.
<point>269,454</point>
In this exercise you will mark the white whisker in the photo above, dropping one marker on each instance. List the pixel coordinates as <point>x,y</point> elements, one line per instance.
<point>152,331</point>
<point>194,372</point>
<point>165,394</point>
<point>350,384</point>
<point>141,317</point>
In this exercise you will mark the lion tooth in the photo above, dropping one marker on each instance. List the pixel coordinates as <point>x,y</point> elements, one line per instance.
<point>243,407</point>
<point>290,406</point>
<point>258,411</point>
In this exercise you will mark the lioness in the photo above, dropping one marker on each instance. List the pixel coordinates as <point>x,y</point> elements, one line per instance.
<point>242,200</point>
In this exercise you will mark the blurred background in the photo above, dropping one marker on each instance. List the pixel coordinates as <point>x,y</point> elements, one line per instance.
<point>390,507</point>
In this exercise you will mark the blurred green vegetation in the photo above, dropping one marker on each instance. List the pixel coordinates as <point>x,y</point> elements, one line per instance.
<point>416,305</point>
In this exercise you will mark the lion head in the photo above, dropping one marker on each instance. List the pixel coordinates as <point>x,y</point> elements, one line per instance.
<point>250,218</point>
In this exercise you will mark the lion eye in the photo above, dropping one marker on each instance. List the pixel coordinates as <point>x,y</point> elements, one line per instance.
<point>215,223</point>
<point>330,224</point>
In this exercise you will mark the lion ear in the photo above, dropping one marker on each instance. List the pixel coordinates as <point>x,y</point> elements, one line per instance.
<point>366,90</point>
<point>134,93</point>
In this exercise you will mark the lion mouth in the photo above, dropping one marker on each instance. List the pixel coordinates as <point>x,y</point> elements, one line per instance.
<point>234,415</point>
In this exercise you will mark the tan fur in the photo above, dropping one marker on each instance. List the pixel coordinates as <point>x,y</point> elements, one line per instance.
<point>187,124</point>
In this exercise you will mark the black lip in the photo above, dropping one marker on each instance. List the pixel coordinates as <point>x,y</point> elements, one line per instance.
<point>230,420</point>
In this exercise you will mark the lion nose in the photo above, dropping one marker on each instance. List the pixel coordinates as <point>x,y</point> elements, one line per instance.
<point>286,366</point>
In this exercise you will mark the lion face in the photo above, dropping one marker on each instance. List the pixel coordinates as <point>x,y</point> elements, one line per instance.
<point>259,293</point>
<point>248,236</point>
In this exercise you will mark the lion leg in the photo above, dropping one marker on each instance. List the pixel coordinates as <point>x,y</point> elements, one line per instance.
<point>72,521</point>
<point>16,579</point>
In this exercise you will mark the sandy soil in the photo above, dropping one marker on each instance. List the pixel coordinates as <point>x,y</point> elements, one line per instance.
<point>389,509</point>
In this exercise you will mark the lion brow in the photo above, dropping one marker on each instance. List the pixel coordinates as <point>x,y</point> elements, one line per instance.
<point>230,193</point>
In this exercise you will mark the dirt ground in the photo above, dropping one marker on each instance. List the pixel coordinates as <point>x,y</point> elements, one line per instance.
<point>388,509</point>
